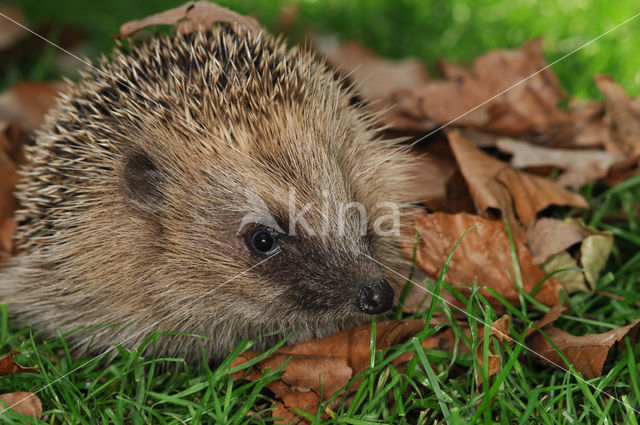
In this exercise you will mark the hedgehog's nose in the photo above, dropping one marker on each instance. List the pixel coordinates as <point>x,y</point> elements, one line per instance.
<point>374,297</point>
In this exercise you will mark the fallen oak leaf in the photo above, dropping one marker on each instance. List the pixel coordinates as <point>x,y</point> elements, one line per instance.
<point>589,129</point>
<point>323,366</point>
<point>551,316</point>
<point>189,17</point>
<point>430,171</point>
<point>624,115</point>
<point>581,166</point>
<point>330,373</point>
<point>286,415</point>
<point>8,365</point>
<point>549,240</point>
<point>353,344</point>
<point>483,254</point>
<point>594,252</point>
<point>586,353</point>
<point>22,402</point>
<point>495,185</point>
<point>529,105</point>
<point>548,236</point>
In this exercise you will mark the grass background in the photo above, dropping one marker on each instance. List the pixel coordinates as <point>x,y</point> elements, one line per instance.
<point>133,390</point>
<point>458,30</point>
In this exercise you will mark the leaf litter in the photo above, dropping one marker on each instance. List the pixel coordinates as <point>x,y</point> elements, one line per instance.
<point>464,179</point>
<point>23,402</point>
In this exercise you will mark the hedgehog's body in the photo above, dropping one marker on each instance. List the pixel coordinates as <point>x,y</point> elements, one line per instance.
<point>137,203</point>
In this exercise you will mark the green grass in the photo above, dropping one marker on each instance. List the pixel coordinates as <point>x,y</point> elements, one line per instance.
<point>458,30</point>
<point>436,385</point>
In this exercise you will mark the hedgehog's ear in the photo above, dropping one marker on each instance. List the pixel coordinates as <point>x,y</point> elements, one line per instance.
<point>142,181</point>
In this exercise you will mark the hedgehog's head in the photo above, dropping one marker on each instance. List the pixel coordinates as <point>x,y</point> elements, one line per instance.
<point>270,194</point>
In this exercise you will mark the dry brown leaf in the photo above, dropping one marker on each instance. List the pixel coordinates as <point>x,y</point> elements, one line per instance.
<point>432,168</point>
<point>381,82</point>
<point>24,403</point>
<point>189,17</point>
<point>624,115</point>
<point>353,344</point>
<point>324,365</point>
<point>589,130</point>
<point>484,253</point>
<point>529,107</point>
<point>550,317</point>
<point>549,239</point>
<point>581,166</point>
<point>421,104</point>
<point>548,236</point>
<point>586,353</point>
<point>27,103</point>
<point>572,280</point>
<point>8,365</point>
<point>500,331</point>
<point>494,185</point>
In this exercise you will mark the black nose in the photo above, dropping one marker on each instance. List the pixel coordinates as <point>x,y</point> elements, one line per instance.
<point>374,297</point>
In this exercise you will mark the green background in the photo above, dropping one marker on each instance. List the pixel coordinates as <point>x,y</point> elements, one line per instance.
<point>456,30</point>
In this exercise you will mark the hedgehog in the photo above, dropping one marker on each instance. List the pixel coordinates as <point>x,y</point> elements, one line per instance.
<point>210,186</point>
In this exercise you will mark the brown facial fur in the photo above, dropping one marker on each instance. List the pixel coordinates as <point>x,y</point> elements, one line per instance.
<point>132,207</point>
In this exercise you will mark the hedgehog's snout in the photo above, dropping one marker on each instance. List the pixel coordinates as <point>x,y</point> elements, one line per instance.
<point>374,297</point>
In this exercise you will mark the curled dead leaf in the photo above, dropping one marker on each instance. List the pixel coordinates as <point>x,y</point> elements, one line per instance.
<point>549,236</point>
<point>549,317</point>
<point>496,186</point>
<point>589,130</point>
<point>484,254</point>
<point>624,114</point>
<point>22,402</point>
<point>549,240</point>
<point>581,166</point>
<point>432,168</point>
<point>8,365</point>
<point>323,366</point>
<point>529,106</point>
<point>189,17</point>
<point>587,353</point>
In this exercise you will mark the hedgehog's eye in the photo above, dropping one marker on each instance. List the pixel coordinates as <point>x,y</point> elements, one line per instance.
<point>263,241</point>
